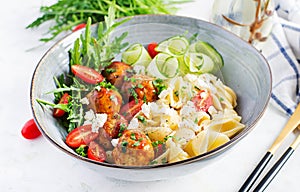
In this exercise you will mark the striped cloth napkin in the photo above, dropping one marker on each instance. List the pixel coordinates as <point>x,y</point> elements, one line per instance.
<point>282,51</point>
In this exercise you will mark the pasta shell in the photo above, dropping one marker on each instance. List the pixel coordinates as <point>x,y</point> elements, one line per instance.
<point>163,158</point>
<point>176,153</point>
<point>198,144</point>
<point>184,135</point>
<point>228,127</point>
<point>216,139</point>
<point>157,133</point>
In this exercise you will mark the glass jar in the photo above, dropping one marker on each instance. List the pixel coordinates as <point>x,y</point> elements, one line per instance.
<point>252,20</point>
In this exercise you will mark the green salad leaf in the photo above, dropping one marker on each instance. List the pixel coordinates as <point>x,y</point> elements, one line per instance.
<point>66,14</point>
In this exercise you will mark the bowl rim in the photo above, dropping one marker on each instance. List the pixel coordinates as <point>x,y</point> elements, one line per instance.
<point>204,156</point>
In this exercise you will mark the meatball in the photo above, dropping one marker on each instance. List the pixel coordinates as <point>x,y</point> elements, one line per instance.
<point>133,149</point>
<point>105,100</point>
<point>105,140</point>
<point>115,125</point>
<point>112,128</point>
<point>139,87</point>
<point>115,73</point>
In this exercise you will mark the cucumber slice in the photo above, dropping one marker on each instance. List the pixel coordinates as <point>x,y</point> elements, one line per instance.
<point>136,54</point>
<point>198,63</point>
<point>175,46</point>
<point>183,68</point>
<point>162,47</point>
<point>208,50</point>
<point>169,68</point>
<point>194,62</point>
<point>178,45</point>
<point>163,66</point>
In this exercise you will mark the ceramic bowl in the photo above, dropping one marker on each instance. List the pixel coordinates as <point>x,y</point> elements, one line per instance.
<point>245,70</point>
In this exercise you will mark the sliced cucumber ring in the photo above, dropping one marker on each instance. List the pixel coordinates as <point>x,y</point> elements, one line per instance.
<point>136,54</point>
<point>198,63</point>
<point>175,46</point>
<point>208,50</point>
<point>163,66</point>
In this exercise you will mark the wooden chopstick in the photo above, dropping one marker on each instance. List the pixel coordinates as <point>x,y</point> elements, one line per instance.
<point>292,123</point>
<point>263,184</point>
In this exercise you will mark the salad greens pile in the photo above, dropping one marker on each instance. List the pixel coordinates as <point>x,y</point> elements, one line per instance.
<point>94,52</point>
<point>68,14</point>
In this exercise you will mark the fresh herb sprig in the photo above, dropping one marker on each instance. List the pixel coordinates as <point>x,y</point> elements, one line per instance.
<point>66,14</point>
<point>98,52</point>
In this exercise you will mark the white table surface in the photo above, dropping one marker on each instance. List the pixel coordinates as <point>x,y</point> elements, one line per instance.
<point>36,165</point>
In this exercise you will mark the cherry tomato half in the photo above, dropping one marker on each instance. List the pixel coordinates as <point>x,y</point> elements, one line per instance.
<point>96,152</point>
<point>203,100</point>
<point>63,100</point>
<point>79,26</point>
<point>151,49</point>
<point>130,109</point>
<point>159,149</point>
<point>82,135</point>
<point>30,130</point>
<point>86,74</point>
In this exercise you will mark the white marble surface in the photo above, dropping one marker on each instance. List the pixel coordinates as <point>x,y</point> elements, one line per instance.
<point>36,165</point>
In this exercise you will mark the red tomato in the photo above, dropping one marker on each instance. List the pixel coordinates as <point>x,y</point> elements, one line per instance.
<point>79,26</point>
<point>63,100</point>
<point>82,135</point>
<point>130,109</point>
<point>30,130</point>
<point>151,49</point>
<point>159,149</point>
<point>203,100</point>
<point>96,152</point>
<point>87,74</point>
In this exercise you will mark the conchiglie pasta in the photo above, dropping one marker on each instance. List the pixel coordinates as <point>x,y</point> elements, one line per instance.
<point>158,133</point>
<point>198,144</point>
<point>177,93</point>
<point>216,139</point>
<point>183,135</point>
<point>229,127</point>
<point>176,153</point>
<point>227,122</point>
<point>230,95</point>
<point>205,141</point>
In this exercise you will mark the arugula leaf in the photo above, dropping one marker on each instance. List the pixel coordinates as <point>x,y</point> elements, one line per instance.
<point>98,52</point>
<point>66,14</point>
<point>82,150</point>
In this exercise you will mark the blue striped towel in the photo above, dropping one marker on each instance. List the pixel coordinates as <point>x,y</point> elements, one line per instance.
<point>282,50</point>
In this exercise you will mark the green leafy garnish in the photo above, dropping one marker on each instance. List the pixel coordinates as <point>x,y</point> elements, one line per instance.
<point>67,14</point>
<point>124,146</point>
<point>141,118</point>
<point>98,52</point>
<point>82,150</point>
<point>159,84</point>
<point>136,144</point>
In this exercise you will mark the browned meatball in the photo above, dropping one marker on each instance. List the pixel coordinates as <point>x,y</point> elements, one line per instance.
<point>115,125</point>
<point>133,149</point>
<point>115,73</point>
<point>105,100</point>
<point>104,140</point>
<point>139,87</point>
